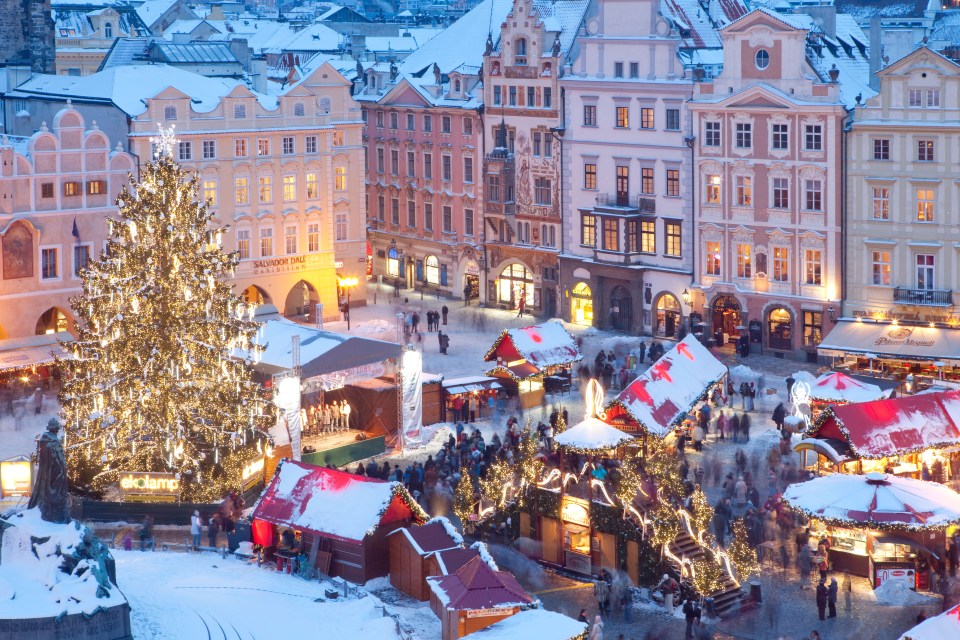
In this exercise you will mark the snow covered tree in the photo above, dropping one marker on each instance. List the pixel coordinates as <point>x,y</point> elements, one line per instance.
<point>151,386</point>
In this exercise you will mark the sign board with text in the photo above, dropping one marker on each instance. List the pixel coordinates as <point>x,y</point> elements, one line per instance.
<point>16,477</point>
<point>149,486</point>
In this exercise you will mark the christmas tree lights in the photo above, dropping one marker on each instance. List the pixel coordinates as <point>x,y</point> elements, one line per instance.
<point>741,553</point>
<point>151,385</point>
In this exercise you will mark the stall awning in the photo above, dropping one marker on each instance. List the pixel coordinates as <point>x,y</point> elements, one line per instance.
<point>892,341</point>
<point>883,538</point>
<point>829,449</point>
<point>521,371</point>
<point>454,386</point>
<point>19,353</point>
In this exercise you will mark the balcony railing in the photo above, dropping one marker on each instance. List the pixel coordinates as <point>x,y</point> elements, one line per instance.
<point>923,297</point>
<point>624,201</point>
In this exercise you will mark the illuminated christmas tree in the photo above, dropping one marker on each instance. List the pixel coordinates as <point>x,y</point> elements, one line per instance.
<point>464,505</point>
<point>742,555</point>
<point>151,387</point>
<point>702,511</point>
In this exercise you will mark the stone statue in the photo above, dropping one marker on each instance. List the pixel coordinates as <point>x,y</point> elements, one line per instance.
<point>436,74</point>
<point>50,488</point>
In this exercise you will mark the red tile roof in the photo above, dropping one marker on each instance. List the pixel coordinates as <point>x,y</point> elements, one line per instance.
<point>452,559</point>
<point>476,586</point>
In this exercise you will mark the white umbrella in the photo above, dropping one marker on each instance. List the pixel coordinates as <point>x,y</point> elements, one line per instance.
<point>876,501</point>
<point>945,625</point>
<point>834,386</point>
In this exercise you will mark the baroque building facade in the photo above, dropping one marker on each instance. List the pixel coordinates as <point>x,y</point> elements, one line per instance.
<point>56,189</point>
<point>627,242</point>
<point>286,174</point>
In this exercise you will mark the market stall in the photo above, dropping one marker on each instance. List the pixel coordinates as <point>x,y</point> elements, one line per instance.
<point>474,597</point>
<point>879,526</point>
<point>527,356</point>
<point>457,393</point>
<point>533,623</point>
<point>899,435</point>
<point>945,625</point>
<point>339,521</point>
<point>660,398</point>
<point>28,363</point>
<point>410,548</point>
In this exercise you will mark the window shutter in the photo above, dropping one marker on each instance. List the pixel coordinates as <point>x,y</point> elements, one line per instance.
<point>443,275</point>
<point>419,270</point>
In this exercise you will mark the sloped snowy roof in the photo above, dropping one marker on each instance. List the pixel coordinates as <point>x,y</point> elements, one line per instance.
<point>316,37</point>
<point>476,586</point>
<point>834,386</point>
<point>699,28</point>
<point>542,345</point>
<point>532,623</point>
<point>895,426</point>
<point>945,625</point>
<point>878,500</point>
<point>669,389</point>
<point>151,10</point>
<point>332,502</point>
<point>592,434</point>
<point>436,535</point>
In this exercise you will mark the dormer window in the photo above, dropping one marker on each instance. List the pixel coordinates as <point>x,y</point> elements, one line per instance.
<point>520,54</point>
<point>456,86</point>
<point>107,29</point>
<point>762,59</point>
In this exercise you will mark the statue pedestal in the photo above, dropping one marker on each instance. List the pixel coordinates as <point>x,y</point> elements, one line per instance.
<point>50,571</point>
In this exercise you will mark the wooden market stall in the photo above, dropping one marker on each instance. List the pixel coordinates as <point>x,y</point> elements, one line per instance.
<point>457,393</point>
<point>474,597</point>
<point>897,435</point>
<point>340,521</point>
<point>659,399</point>
<point>432,386</point>
<point>529,359</point>
<point>410,549</point>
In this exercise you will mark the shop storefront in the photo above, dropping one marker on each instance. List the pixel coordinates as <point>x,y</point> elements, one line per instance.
<point>669,316</point>
<point>581,305</point>
<point>726,320</point>
<point>484,391</point>
<point>779,329</point>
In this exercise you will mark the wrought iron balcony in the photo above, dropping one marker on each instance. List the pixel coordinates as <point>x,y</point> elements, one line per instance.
<point>626,203</point>
<point>923,297</point>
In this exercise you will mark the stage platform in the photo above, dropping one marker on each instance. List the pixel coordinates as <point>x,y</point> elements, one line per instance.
<point>341,448</point>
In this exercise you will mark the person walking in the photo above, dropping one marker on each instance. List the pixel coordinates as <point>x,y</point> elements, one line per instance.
<point>779,415</point>
<point>583,616</point>
<point>804,564</point>
<point>196,528</point>
<point>440,342</point>
<point>745,427</point>
<point>821,599</point>
<point>790,381</point>
<point>37,401</point>
<point>466,303</point>
<point>443,312</point>
<point>474,405</point>
<point>832,598</point>
<point>596,631</point>
<point>146,533</point>
<point>213,530</point>
<point>626,602</point>
<point>601,591</point>
<point>446,343</point>
<point>522,303</point>
<point>847,589</point>
<point>691,612</point>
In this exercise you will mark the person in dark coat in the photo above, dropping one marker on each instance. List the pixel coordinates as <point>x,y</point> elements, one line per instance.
<point>745,427</point>
<point>642,351</point>
<point>691,612</point>
<point>721,517</point>
<point>440,337</point>
<point>779,415</point>
<point>822,599</point>
<point>735,427</point>
<point>790,381</point>
<point>832,597</point>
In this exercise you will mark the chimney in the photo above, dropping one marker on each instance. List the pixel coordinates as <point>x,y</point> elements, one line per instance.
<point>824,15</point>
<point>241,50</point>
<point>216,13</point>
<point>258,73</point>
<point>876,49</point>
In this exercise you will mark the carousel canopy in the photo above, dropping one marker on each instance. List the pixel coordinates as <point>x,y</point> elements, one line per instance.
<point>834,386</point>
<point>895,426</point>
<point>669,389</point>
<point>541,345</point>
<point>876,500</point>
<point>592,434</point>
<point>945,625</point>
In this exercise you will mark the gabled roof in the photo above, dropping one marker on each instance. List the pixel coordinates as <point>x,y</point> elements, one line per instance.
<point>663,395</point>
<point>541,345</point>
<point>895,426</point>
<point>450,560</point>
<point>785,19</point>
<point>333,503</point>
<point>428,538</point>
<point>476,586</point>
<point>937,59</point>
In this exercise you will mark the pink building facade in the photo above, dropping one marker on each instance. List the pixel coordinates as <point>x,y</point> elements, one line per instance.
<point>768,195</point>
<point>56,189</point>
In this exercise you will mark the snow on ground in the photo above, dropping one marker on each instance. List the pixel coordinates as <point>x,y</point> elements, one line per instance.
<point>23,442</point>
<point>184,596</point>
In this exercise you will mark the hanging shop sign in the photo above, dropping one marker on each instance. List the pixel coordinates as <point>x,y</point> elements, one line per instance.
<point>16,477</point>
<point>252,474</point>
<point>488,613</point>
<point>144,485</point>
<point>575,512</point>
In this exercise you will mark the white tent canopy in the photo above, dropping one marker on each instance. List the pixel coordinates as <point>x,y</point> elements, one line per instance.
<point>592,434</point>
<point>834,386</point>
<point>877,500</point>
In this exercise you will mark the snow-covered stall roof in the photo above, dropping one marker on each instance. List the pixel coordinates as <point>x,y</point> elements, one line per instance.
<point>834,386</point>
<point>945,625</point>
<point>476,586</point>
<point>876,500</point>
<point>895,426</point>
<point>333,503</point>
<point>18,353</point>
<point>532,623</point>
<point>436,535</point>
<point>541,345</point>
<point>665,392</point>
<point>592,434</point>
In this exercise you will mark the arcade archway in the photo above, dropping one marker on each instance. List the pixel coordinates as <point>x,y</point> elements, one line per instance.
<point>53,320</point>
<point>301,301</point>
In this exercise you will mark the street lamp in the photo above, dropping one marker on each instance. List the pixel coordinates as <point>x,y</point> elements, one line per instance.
<point>686,297</point>
<point>347,284</point>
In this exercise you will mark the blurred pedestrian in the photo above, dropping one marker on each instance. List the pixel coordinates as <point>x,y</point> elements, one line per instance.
<point>196,529</point>
<point>821,599</point>
<point>37,401</point>
<point>832,597</point>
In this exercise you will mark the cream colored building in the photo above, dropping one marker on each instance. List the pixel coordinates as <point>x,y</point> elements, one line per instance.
<point>286,174</point>
<point>56,189</point>
<point>903,207</point>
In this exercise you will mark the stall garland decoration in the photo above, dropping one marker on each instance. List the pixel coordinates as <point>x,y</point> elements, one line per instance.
<point>828,413</point>
<point>399,491</point>
<point>890,527</point>
<point>151,385</point>
<point>507,372</point>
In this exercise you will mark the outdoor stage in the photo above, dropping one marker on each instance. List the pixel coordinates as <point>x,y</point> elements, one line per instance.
<point>341,448</point>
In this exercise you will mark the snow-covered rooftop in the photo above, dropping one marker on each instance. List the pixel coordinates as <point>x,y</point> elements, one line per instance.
<point>834,386</point>
<point>542,345</point>
<point>532,623</point>
<point>151,10</point>
<point>592,434</point>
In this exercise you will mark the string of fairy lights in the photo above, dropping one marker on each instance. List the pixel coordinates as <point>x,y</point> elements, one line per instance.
<point>160,374</point>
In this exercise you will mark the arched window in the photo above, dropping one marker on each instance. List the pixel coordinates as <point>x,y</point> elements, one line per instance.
<point>668,316</point>
<point>107,29</point>
<point>456,86</point>
<point>780,329</point>
<point>432,270</point>
<point>520,52</point>
<point>298,109</point>
<point>170,113</point>
<point>513,280</point>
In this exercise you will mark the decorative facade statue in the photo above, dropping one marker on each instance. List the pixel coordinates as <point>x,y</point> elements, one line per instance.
<point>50,488</point>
